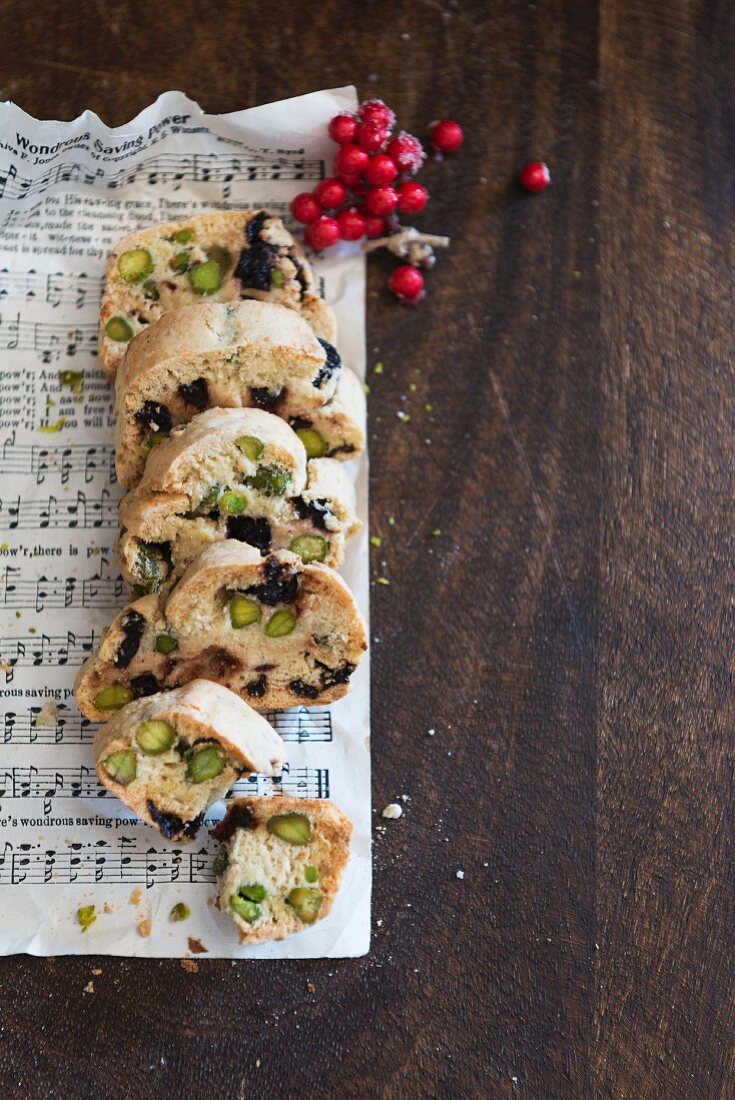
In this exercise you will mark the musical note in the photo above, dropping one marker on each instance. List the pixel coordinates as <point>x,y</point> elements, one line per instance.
<point>81,781</point>
<point>124,860</point>
<point>51,340</point>
<point>17,591</point>
<point>55,289</point>
<point>69,727</point>
<point>67,461</point>
<point>34,650</point>
<point>165,168</point>
<point>54,513</point>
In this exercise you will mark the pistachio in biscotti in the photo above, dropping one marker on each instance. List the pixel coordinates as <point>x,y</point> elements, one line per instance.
<point>172,755</point>
<point>282,865</point>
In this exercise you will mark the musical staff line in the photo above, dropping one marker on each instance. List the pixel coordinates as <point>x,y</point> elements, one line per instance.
<point>54,289</point>
<point>33,650</point>
<point>164,168</point>
<point>64,461</point>
<point>107,593</point>
<point>55,513</point>
<point>50,339</point>
<point>82,782</point>
<point>296,727</point>
<point>125,860</point>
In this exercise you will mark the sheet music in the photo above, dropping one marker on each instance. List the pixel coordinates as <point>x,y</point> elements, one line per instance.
<point>68,191</point>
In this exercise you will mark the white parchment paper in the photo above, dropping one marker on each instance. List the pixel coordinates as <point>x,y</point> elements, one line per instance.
<point>68,190</point>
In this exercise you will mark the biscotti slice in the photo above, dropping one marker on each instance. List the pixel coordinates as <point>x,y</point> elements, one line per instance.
<point>241,354</point>
<point>274,630</point>
<point>282,863</point>
<point>232,473</point>
<point>337,429</point>
<point>170,756</point>
<point>223,256</point>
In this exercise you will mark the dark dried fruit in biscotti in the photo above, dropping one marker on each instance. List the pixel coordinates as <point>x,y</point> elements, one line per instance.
<point>195,393</point>
<point>331,364</point>
<point>237,817</point>
<point>300,277</point>
<point>170,825</point>
<point>155,417</point>
<point>255,263</point>
<point>256,688</point>
<point>145,684</point>
<point>315,510</point>
<point>303,690</point>
<point>133,627</point>
<point>256,531</point>
<point>330,677</point>
<point>266,399</point>
<point>280,585</point>
<point>255,227</point>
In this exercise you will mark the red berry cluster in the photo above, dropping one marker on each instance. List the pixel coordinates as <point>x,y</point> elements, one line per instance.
<point>371,185</point>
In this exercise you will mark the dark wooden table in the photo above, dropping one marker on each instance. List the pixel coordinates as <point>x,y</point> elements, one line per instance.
<point>569,635</point>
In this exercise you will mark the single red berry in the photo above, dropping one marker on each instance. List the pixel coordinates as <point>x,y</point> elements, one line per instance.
<point>374,110</point>
<point>407,151</point>
<point>371,136</point>
<point>330,193</point>
<point>407,283</point>
<point>381,170</point>
<point>412,197</point>
<point>349,181</point>
<point>374,226</point>
<point>351,224</point>
<point>322,233</point>
<point>535,176</point>
<point>381,200</point>
<point>342,129</point>
<point>350,160</point>
<point>446,136</point>
<point>305,208</point>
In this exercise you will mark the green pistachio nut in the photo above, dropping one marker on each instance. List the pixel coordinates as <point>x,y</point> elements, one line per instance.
<point>205,278</point>
<point>310,547</point>
<point>314,443</point>
<point>293,828</point>
<point>243,611</point>
<point>306,903</point>
<point>155,736</point>
<point>205,764</point>
<point>280,624</point>
<point>118,329</point>
<point>121,766</point>
<point>113,697</point>
<point>135,265</point>
<point>251,446</point>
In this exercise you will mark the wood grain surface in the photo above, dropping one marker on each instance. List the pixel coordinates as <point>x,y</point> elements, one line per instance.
<point>569,634</point>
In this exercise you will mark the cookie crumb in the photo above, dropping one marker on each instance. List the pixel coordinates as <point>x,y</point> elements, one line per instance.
<point>89,987</point>
<point>144,927</point>
<point>189,965</point>
<point>310,987</point>
<point>392,811</point>
<point>48,715</point>
<point>430,733</point>
<point>96,970</point>
<point>136,896</point>
<point>196,946</point>
<point>460,874</point>
<point>107,908</point>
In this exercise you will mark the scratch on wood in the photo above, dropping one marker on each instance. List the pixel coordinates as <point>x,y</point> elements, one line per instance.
<point>540,510</point>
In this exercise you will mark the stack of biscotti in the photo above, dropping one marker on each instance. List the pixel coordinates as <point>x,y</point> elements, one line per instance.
<point>233,412</point>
